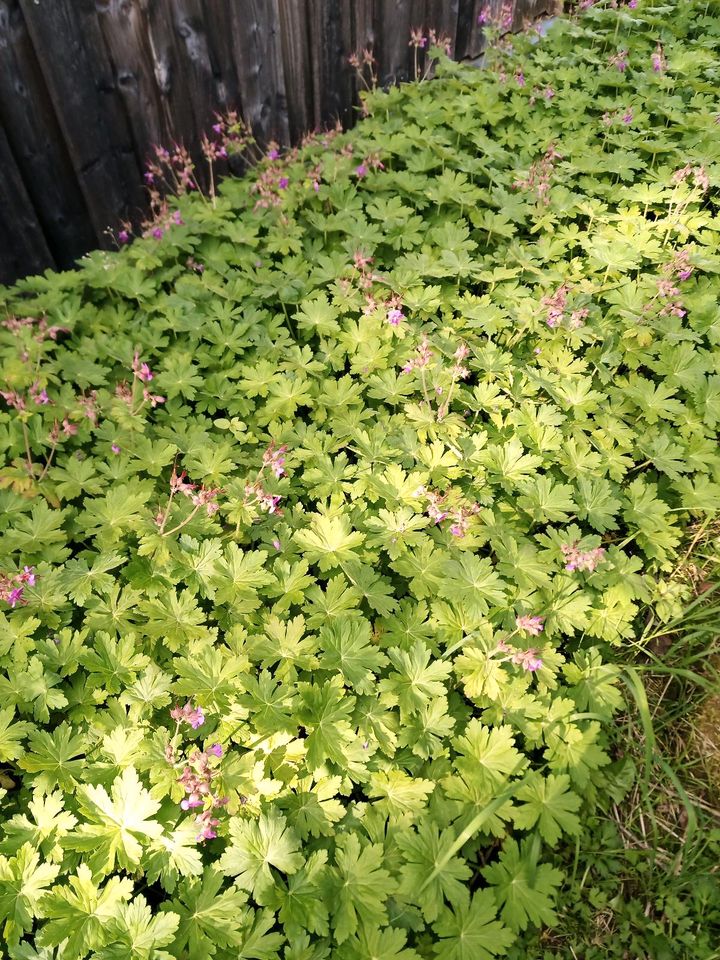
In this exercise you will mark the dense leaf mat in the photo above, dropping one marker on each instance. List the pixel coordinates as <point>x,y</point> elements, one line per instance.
<point>450,412</point>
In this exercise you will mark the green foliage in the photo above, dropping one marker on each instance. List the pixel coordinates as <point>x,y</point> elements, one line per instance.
<point>391,606</point>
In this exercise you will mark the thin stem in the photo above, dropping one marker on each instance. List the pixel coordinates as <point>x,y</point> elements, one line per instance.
<point>48,462</point>
<point>184,523</point>
<point>28,454</point>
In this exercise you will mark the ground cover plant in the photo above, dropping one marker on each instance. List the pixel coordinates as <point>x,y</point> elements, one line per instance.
<point>332,507</point>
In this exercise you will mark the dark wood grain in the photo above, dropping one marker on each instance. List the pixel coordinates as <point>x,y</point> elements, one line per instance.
<point>22,242</point>
<point>68,42</point>
<point>259,58</point>
<point>37,143</point>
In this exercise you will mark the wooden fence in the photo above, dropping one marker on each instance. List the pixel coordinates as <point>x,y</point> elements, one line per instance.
<point>87,87</point>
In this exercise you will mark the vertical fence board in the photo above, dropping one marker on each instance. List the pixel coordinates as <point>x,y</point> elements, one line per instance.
<point>70,51</point>
<point>393,23</point>
<point>37,144</point>
<point>296,59</point>
<point>125,32</point>
<point>22,242</point>
<point>259,59</point>
<point>330,30</point>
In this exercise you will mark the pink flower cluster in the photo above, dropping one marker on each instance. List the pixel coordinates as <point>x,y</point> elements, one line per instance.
<point>199,496</point>
<point>419,41</point>
<point>36,394</point>
<point>502,20</point>
<point>193,716</point>
<point>697,174</point>
<point>422,358</point>
<point>547,94</point>
<point>371,162</point>
<point>438,509</point>
<point>255,493</point>
<point>611,118</point>
<point>675,271</point>
<point>12,586</point>
<point>659,64</point>
<point>141,374</point>
<point>540,175</point>
<point>16,324</point>
<point>271,185</point>
<point>532,625</point>
<point>619,60</point>
<point>198,773</point>
<point>458,370</point>
<point>556,305</point>
<point>530,659</point>
<point>581,559</point>
<point>274,459</point>
<point>527,659</point>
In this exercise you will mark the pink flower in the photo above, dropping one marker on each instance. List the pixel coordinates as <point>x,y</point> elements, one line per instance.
<point>123,236</point>
<point>528,659</point>
<point>188,714</point>
<point>275,459</point>
<point>69,429</point>
<point>178,484</point>
<point>581,560</point>
<point>269,502</point>
<point>206,497</point>
<point>15,596</point>
<point>13,399</point>
<point>422,357</point>
<point>27,576</point>
<point>273,153</point>
<point>531,625</point>
<point>394,317</point>
<point>216,750</point>
<point>627,117</point>
<point>283,183</point>
<point>577,317</point>
<point>39,396</point>
<point>277,544</point>
<point>207,824</point>
<point>115,448</point>
<point>361,170</point>
<point>177,218</point>
<point>158,233</point>
<point>154,398</point>
<point>141,370</point>
<point>520,78</point>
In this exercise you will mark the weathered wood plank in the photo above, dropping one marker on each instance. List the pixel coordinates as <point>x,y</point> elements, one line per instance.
<point>23,248</point>
<point>393,23</point>
<point>330,28</point>
<point>125,32</point>
<point>297,70</point>
<point>37,143</point>
<point>68,43</point>
<point>258,54</point>
<point>442,16</point>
